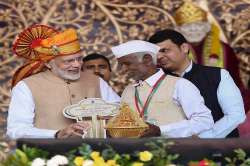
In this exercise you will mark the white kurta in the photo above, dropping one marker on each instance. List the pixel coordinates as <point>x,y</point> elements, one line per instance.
<point>232,106</point>
<point>187,96</point>
<point>21,113</point>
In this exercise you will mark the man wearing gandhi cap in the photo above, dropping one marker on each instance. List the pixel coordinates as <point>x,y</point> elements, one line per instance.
<point>50,80</point>
<point>172,106</point>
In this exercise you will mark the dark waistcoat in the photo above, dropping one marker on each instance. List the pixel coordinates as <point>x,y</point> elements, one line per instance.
<point>207,80</point>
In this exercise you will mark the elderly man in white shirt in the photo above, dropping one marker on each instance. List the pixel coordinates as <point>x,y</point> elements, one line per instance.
<point>172,106</point>
<point>48,82</point>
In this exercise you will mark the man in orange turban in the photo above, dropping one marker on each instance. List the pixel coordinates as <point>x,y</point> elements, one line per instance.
<point>49,81</point>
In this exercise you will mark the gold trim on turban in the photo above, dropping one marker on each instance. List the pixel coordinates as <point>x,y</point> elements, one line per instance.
<point>189,13</point>
<point>61,44</point>
<point>39,44</point>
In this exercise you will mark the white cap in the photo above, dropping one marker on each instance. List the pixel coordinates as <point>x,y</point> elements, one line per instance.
<point>135,46</point>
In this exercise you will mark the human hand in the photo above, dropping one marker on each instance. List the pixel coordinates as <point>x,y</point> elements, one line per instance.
<point>75,129</point>
<point>152,131</point>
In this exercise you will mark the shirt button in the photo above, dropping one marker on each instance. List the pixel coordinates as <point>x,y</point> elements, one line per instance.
<point>73,96</point>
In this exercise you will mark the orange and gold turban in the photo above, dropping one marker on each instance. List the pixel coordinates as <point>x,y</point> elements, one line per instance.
<point>40,44</point>
<point>189,13</point>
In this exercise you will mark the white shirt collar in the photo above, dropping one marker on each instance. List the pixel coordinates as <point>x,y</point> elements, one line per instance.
<point>152,79</point>
<point>188,69</point>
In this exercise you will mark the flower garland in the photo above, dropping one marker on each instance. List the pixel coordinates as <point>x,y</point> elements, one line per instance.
<point>86,156</point>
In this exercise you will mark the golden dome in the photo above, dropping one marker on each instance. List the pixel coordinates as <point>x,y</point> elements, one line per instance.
<point>189,13</point>
<point>126,124</point>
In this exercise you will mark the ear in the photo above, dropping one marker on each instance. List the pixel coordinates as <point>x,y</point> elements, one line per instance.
<point>147,59</point>
<point>185,48</point>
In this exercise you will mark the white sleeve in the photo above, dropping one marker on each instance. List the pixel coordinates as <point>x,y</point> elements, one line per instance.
<point>107,93</point>
<point>231,103</point>
<point>21,113</point>
<point>198,116</point>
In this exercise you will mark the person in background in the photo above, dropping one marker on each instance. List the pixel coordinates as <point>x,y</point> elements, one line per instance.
<point>98,64</point>
<point>172,106</point>
<point>207,47</point>
<point>204,37</point>
<point>216,85</point>
<point>49,81</point>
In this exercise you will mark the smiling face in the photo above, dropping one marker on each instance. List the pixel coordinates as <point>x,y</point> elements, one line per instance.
<point>99,67</point>
<point>67,67</point>
<point>171,56</point>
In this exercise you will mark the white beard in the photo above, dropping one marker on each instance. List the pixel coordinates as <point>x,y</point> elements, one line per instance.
<point>68,76</point>
<point>195,32</point>
<point>195,37</point>
<point>65,74</point>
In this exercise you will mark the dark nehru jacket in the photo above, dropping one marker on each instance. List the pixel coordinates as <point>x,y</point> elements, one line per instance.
<point>207,80</point>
